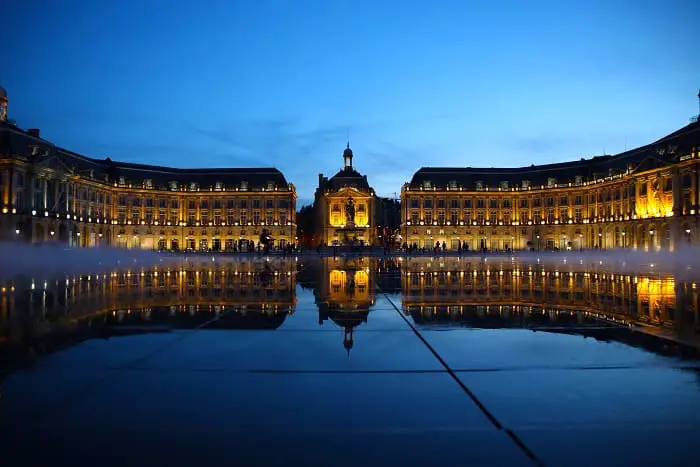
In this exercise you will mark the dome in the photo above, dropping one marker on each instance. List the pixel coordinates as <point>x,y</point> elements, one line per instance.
<point>348,151</point>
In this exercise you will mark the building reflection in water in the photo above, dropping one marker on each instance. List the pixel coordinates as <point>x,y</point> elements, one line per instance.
<point>479,294</point>
<point>38,316</point>
<point>344,293</point>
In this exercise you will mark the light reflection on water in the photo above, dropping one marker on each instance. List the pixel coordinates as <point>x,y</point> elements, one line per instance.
<point>39,314</point>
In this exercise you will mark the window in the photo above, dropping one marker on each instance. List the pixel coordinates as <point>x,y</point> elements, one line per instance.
<point>523,203</point>
<point>414,203</point>
<point>428,217</point>
<point>578,180</point>
<point>492,218</point>
<point>536,202</point>
<point>454,204</point>
<point>467,203</point>
<point>283,204</point>
<point>269,204</point>
<point>643,189</point>
<point>441,204</point>
<point>525,184</point>
<point>414,217</point>
<point>551,182</point>
<point>454,217</point>
<point>270,186</point>
<point>668,184</point>
<point>479,186</point>
<point>506,203</point>
<point>218,186</point>
<point>480,203</point>
<point>193,186</point>
<point>523,216</point>
<point>550,201</point>
<point>504,185</point>
<point>441,217</point>
<point>204,204</point>
<point>427,184</point>
<point>244,186</point>
<point>687,180</point>
<point>428,203</point>
<point>256,204</point>
<point>493,203</point>
<point>578,200</point>
<point>506,217</point>
<point>578,215</point>
<point>563,215</point>
<point>122,181</point>
<point>452,184</point>
<point>173,186</point>
<point>148,184</point>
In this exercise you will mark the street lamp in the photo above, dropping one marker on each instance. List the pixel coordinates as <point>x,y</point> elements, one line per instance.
<point>623,233</point>
<point>17,231</point>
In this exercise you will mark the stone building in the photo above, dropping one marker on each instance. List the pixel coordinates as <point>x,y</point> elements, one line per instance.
<point>345,207</point>
<point>646,198</point>
<point>50,194</point>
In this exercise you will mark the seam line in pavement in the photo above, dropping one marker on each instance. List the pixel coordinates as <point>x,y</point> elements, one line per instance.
<point>120,369</point>
<point>492,418</point>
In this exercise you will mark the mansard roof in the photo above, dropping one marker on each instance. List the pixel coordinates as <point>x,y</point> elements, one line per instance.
<point>19,143</point>
<point>661,152</point>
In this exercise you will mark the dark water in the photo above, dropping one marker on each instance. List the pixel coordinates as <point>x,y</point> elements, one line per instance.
<point>350,361</point>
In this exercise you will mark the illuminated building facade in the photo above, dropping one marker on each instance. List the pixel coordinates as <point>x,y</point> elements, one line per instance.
<point>344,207</point>
<point>49,194</point>
<point>647,198</point>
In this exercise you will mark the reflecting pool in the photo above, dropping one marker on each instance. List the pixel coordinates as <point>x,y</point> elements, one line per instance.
<point>351,360</point>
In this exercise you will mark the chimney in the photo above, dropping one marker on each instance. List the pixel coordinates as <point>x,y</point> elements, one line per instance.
<point>34,132</point>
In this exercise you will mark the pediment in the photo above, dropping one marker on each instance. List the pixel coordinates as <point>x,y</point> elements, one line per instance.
<point>348,191</point>
<point>52,161</point>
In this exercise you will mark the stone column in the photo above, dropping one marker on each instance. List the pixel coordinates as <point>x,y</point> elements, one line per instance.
<point>43,194</point>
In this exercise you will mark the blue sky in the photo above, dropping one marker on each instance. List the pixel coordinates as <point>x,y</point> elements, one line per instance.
<point>416,83</point>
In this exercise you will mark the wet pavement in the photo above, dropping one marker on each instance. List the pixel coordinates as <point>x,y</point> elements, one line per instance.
<point>349,361</point>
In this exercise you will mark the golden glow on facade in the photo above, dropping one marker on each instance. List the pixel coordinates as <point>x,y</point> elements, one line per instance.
<point>652,210</point>
<point>46,202</point>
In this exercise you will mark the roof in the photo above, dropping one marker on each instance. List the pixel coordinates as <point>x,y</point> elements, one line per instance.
<point>347,177</point>
<point>661,152</point>
<point>17,142</point>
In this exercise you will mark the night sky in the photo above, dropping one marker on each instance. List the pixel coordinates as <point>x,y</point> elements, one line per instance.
<point>415,83</point>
